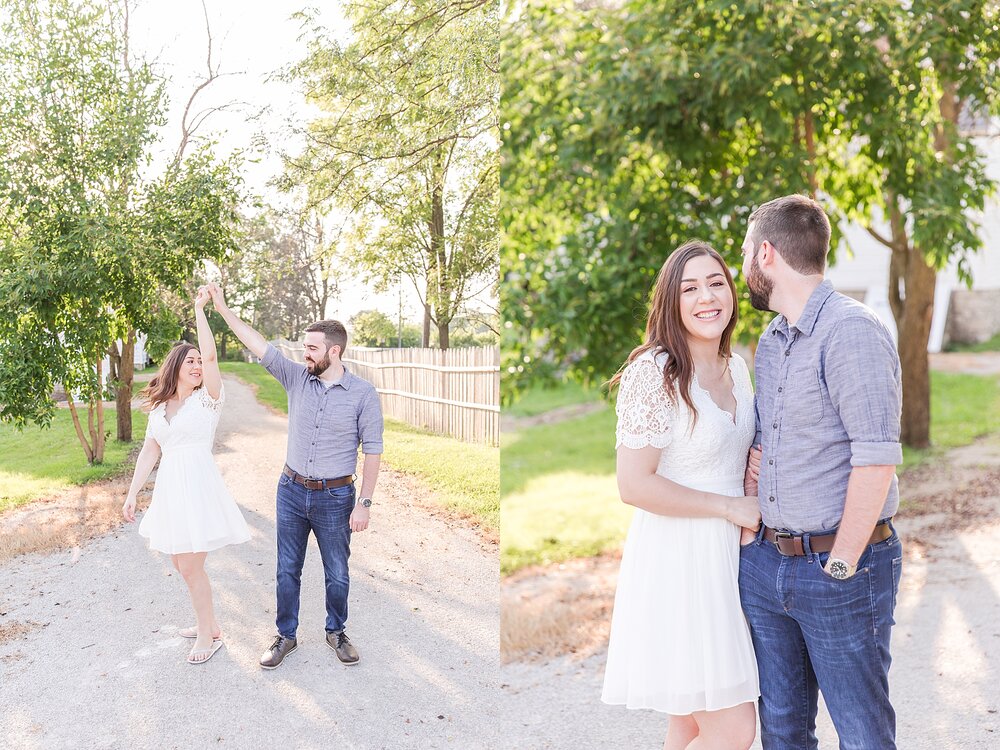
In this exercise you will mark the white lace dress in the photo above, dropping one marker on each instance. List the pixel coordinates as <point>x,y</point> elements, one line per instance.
<point>679,640</point>
<point>191,511</point>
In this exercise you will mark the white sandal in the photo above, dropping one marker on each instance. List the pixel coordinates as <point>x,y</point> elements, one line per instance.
<point>216,645</point>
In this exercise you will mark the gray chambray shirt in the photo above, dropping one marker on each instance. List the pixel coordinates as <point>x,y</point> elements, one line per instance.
<point>325,425</point>
<point>828,398</point>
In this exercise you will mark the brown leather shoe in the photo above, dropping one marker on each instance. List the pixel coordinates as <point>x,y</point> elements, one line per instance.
<point>281,648</point>
<point>339,642</point>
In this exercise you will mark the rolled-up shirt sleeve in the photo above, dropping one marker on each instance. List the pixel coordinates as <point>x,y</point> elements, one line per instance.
<point>370,424</point>
<point>863,380</point>
<point>283,369</point>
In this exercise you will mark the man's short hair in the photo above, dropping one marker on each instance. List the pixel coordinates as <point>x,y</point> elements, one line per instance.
<point>333,331</point>
<point>798,228</point>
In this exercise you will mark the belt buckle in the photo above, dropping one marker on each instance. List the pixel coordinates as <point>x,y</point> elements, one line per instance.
<point>779,536</point>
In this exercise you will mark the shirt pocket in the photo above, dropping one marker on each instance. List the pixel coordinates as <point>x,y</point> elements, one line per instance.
<point>805,404</point>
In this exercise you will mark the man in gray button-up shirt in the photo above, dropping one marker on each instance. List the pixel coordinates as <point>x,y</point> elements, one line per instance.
<point>818,583</point>
<point>331,412</point>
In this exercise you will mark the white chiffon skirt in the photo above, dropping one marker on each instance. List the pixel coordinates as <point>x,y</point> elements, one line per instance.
<point>679,640</point>
<point>191,511</point>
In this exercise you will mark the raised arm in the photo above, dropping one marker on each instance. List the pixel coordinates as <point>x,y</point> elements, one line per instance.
<point>250,338</point>
<point>211,377</point>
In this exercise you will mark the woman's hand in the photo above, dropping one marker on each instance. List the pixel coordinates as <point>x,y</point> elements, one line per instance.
<point>128,509</point>
<point>743,511</point>
<point>201,298</point>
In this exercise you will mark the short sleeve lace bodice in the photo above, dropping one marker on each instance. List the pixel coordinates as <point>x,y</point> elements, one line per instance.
<point>193,424</point>
<point>713,451</point>
<point>645,412</point>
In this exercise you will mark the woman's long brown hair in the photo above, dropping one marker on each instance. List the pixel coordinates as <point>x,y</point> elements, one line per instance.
<point>665,331</point>
<point>163,385</point>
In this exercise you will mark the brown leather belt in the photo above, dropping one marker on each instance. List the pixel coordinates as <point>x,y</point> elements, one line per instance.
<point>317,484</point>
<point>791,544</point>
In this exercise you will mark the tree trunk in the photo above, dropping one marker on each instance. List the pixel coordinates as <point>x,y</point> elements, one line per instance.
<point>912,302</point>
<point>443,335</point>
<point>79,428</point>
<point>426,338</point>
<point>442,291</point>
<point>96,408</point>
<point>123,400</point>
<point>913,308</point>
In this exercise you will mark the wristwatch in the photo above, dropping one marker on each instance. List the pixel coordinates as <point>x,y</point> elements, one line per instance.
<point>839,569</point>
<point>365,502</point>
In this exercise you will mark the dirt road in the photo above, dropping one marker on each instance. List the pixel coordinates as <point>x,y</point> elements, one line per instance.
<point>89,656</point>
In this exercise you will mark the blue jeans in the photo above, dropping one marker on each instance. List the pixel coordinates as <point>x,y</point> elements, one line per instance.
<point>814,633</point>
<point>327,514</point>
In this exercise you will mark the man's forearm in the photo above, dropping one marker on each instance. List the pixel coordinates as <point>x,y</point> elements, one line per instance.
<point>867,489</point>
<point>250,338</point>
<point>369,474</point>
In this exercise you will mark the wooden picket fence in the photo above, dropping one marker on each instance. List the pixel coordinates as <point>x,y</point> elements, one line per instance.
<point>454,392</point>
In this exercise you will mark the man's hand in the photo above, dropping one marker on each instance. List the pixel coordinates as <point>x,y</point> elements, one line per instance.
<point>216,293</point>
<point>753,462</point>
<point>752,473</point>
<point>359,518</point>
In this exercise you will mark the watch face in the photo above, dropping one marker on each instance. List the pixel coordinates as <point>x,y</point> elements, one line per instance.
<point>365,502</point>
<point>838,569</point>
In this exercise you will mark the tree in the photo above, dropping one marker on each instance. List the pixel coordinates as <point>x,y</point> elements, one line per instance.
<point>86,241</point>
<point>372,328</point>
<point>282,277</point>
<point>407,148</point>
<point>679,118</point>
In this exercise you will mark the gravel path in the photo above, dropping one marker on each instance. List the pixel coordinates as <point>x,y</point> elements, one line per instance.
<point>89,656</point>
<point>945,678</point>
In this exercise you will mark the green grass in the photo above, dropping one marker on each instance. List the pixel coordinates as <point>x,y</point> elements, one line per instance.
<point>963,408</point>
<point>465,476</point>
<point>269,390</point>
<point>559,497</point>
<point>36,461</point>
<point>543,399</point>
<point>990,345</point>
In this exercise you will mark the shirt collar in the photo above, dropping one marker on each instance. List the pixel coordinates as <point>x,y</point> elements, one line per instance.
<point>345,381</point>
<point>807,320</point>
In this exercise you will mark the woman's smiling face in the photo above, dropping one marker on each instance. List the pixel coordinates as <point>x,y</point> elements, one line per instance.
<point>190,370</point>
<point>706,303</point>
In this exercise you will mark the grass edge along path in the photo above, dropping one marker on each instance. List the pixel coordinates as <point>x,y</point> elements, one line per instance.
<point>465,477</point>
<point>38,462</point>
<point>559,496</point>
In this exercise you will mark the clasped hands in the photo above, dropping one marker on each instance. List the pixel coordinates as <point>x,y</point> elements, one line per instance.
<point>206,292</point>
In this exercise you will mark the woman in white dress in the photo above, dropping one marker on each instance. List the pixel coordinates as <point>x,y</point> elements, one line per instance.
<point>192,512</point>
<point>679,640</point>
